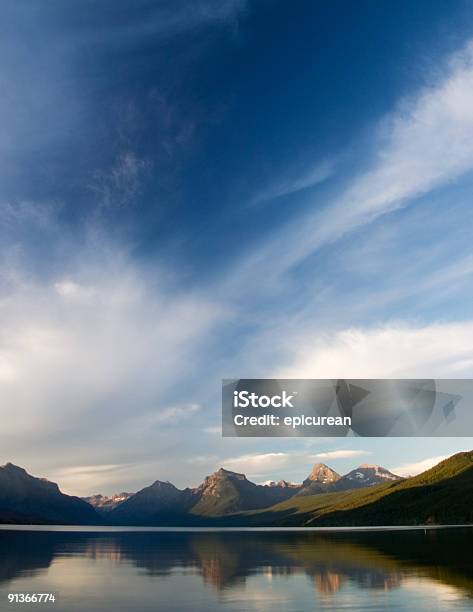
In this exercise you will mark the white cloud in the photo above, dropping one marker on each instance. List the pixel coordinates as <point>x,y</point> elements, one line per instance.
<point>411,160</point>
<point>89,479</point>
<point>257,464</point>
<point>389,351</point>
<point>341,454</point>
<point>165,20</point>
<point>92,469</point>
<point>69,362</point>
<point>416,467</point>
<point>122,183</point>
<point>173,414</point>
<point>310,178</point>
<point>70,289</point>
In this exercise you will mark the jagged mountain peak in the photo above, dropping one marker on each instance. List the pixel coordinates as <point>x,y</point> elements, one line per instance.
<point>17,474</point>
<point>323,474</point>
<point>366,475</point>
<point>378,470</point>
<point>11,467</point>
<point>213,483</point>
<point>225,492</point>
<point>163,484</point>
<point>27,498</point>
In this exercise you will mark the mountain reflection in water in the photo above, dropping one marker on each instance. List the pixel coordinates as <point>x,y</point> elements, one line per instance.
<point>240,570</point>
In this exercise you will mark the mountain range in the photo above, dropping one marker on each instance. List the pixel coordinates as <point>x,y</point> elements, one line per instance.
<point>368,495</point>
<point>105,503</point>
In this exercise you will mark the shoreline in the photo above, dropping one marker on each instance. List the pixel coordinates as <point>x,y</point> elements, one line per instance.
<point>137,529</point>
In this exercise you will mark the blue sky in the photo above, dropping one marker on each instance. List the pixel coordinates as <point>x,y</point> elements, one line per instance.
<point>192,191</point>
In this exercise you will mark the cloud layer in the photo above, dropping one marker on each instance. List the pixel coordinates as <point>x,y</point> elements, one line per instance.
<point>111,351</point>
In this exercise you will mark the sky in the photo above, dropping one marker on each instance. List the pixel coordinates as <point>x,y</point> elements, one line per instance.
<point>207,189</point>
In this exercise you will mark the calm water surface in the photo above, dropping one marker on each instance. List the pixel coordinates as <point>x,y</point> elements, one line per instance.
<point>144,571</point>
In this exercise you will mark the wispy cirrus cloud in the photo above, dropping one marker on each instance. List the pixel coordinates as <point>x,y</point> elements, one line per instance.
<point>298,182</point>
<point>258,464</point>
<point>299,464</point>
<point>416,467</point>
<point>121,184</point>
<point>75,480</point>
<point>341,454</point>
<point>163,416</point>
<point>165,20</point>
<point>409,160</point>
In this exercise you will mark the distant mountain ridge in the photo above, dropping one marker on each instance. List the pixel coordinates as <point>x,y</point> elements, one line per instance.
<point>225,493</point>
<point>27,499</point>
<point>367,495</point>
<point>105,503</point>
<point>281,483</point>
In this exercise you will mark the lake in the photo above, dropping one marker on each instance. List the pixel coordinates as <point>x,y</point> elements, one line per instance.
<point>122,570</point>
